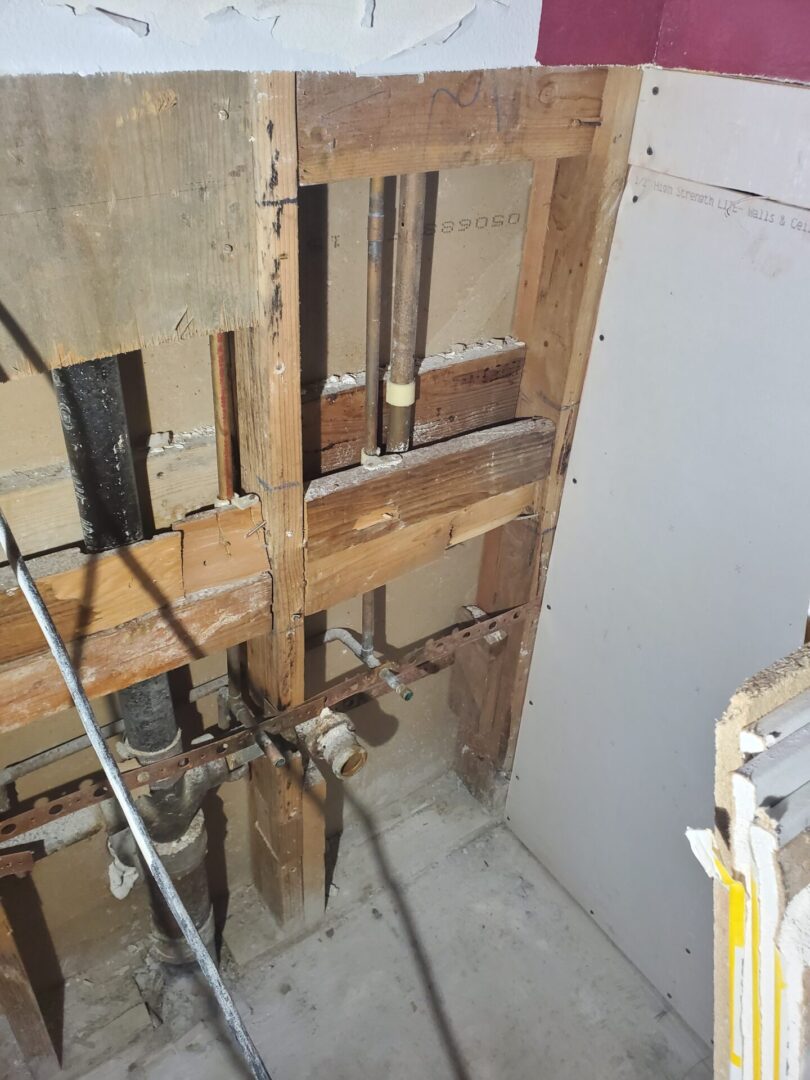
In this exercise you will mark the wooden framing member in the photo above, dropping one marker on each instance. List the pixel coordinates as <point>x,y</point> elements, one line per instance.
<point>372,126</point>
<point>132,612</point>
<point>268,396</point>
<point>570,227</point>
<point>455,393</point>
<point>19,1003</point>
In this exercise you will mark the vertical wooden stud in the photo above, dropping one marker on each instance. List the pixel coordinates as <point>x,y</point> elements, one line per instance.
<point>20,1006</point>
<point>268,385</point>
<point>568,236</point>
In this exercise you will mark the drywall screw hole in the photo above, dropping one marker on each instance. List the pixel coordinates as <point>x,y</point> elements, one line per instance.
<point>548,607</point>
<point>573,479</point>
<point>590,912</point>
<point>655,89</point>
<point>649,151</point>
<point>601,337</point>
<point>688,952</point>
<point>635,198</point>
<point>669,996</point>
<point>508,818</point>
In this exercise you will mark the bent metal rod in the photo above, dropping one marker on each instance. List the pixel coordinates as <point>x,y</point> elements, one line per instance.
<point>127,804</point>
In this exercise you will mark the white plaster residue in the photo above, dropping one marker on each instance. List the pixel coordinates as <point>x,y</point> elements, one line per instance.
<point>366,36</point>
<point>316,25</point>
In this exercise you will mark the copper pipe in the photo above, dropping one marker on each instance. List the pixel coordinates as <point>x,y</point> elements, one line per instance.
<point>223,413</point>
<point>401,373</point>
<point>371,446</point>
<point>376,216</point>
<point>222,387</point>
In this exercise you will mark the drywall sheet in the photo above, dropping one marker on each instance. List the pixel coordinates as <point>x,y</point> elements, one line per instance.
<point>735,133</point>
<point>680,561</point>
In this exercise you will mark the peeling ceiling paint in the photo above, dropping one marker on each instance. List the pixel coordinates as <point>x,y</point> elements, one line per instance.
<point>366,36</point>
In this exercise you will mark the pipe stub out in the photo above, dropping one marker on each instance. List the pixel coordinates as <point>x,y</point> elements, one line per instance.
<point>330,736</point>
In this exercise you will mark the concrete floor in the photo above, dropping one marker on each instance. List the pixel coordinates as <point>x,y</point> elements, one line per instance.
<point>447,952</point>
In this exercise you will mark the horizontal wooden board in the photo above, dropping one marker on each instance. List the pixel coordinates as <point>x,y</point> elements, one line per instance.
<point>126,204</point>
<point>460,392</point>
<point>93,593</point>
<point>87,594</point>
<point>465,391</point>
<point>196,626</point>
<point>366,527</point>
<point>384,126</point>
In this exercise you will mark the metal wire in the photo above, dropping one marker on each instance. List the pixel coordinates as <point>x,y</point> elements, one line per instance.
<point>133,818</point>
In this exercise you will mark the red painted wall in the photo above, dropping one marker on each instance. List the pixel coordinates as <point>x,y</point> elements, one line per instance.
<point>599,31</point>
<point>737,37</point>
<point>770,38</point>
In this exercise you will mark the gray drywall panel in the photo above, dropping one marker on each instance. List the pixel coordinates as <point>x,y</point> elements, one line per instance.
<point>680,563</point>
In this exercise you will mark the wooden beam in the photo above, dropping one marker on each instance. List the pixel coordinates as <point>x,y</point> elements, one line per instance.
<point>98,162</point>
<point>583,216</point>
<point>455,393</point>
<point>544,174</point>
<point>572,232</point>
<point>87,594</point>
<point>201,624</point>
<point>268,393</point>
<point>385,126</point>
<point>19,1003</point>
<point>365,527</point>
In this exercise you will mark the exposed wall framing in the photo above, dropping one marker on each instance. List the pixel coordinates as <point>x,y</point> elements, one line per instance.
<point>493,425</point>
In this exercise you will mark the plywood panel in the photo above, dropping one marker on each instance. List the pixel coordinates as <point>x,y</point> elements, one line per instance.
<point>126,203</point>
<point>679,565</point>
<point>735,133</point>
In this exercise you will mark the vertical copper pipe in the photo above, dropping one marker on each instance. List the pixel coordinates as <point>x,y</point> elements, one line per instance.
<point>376,216</point>
<point>373,306</point>
<point>400,388</point>
<point>223,413</point>
<point>221,385</point>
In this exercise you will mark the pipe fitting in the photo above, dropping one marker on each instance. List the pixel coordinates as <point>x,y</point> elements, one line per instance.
<point>330,736</point>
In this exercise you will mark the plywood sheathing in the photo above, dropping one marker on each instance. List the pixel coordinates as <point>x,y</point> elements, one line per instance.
<point>127,202</point>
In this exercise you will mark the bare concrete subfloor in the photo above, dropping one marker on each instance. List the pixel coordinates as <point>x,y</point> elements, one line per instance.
<point>447,952</point>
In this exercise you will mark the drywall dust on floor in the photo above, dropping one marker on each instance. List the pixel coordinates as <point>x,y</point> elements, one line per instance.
<point>447,951</point>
